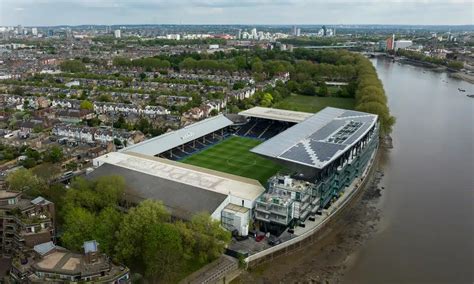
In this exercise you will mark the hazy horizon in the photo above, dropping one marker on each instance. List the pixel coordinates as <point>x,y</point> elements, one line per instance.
<point>228,12</point>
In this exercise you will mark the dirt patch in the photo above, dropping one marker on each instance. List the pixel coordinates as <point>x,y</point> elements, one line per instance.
<point>326,260</point>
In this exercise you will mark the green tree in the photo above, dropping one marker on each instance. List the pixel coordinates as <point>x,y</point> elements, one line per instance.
<point>24,180</point>
<point>458,65</point>
<point>54,154</point>
<point>105,231</point>
<point>308,89</point>
<point>323,89</point>
<point>163,252</point>
<point>85,104</point>
<point>79,225</point>
<point>266,100</point>
<point>210,238</point>
<point>133,231</point>
<point>73,66</point>
<point>257,65</point>
<point>110,189</point>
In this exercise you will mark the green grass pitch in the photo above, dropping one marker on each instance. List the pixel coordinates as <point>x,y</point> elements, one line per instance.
<point>233,156</point>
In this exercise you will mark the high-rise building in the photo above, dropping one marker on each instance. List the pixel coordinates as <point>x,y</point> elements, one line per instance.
<point>24,223</point>
<point>254,33</point>
<point>117,34</point>
<point>298,32</point>
<point>34,31</point>
<point>239,34</point>
<point>391,42</point>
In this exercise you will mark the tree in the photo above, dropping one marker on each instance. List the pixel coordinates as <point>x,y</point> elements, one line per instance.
<point>47,171</point>
<point>85,104</point>
<point>458,65</point>
<point>18,91</point>
<point>73,66</point>
<point>105,231</point>
<point>266,100</point>
<point>24,180</point>
<point>210,238</point>
<point>54,154</point>
<point>323,89</point>
<point>163,252</point>
<point>110,189</point>
<point>308,89</point>
<point>133,231</point>
<point>79,227</point>
<point>257,65</point>
<point>106,98</point>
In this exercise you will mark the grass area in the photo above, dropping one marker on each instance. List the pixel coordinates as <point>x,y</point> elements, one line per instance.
<point>314,104</point>
<point>233,156</point>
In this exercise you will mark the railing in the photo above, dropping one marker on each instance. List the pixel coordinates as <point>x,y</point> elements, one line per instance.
<point>296,240</point>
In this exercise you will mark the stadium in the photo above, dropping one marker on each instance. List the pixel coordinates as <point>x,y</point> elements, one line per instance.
<point>269,166</point>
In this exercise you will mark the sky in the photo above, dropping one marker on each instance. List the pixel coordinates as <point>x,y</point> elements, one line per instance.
<point>111,12</point>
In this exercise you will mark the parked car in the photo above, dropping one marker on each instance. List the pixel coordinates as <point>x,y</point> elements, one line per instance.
<point>259,238</point>
<point>273,241</point>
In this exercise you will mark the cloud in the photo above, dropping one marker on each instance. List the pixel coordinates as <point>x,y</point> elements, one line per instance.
<point>73,12</point>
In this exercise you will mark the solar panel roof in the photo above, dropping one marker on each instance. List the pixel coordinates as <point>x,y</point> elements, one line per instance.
<point>320,139</point>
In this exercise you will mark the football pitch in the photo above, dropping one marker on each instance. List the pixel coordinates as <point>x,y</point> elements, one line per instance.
<point>233,156</point>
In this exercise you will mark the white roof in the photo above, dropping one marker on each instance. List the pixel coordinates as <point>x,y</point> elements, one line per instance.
<point>170,140</point>
<point>276,114</point>
<point>320,139</point>
<point>223,183</point>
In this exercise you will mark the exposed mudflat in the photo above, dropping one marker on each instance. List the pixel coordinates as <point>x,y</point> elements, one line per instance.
<point>326,260</point>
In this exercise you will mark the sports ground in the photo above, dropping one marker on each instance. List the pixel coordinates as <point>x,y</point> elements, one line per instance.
<point>233,156</point>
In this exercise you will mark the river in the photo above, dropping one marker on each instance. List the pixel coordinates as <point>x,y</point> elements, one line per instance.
<point>426,230</point>
<point>415,224</point>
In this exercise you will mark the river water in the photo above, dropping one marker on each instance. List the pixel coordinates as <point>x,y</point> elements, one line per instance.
<point>426,231</point>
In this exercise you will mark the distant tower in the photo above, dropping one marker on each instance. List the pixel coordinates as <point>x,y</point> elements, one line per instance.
<point>239,34</point>
<point>34,31</point>
<point>117,34</point>
<point>295,30</point>
<point>298,32</point>
<point>254,33</point>
<point>391,42</point>
<point>325,31</point>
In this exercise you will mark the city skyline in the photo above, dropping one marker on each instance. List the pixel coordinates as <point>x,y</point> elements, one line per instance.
<point>302,12</point>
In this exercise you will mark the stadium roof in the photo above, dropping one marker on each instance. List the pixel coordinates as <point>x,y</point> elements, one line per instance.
<point>181,187</point>
<point>320,139</point>
<point>181,136</point>
<point>181,200</point>
<point>276,114</point>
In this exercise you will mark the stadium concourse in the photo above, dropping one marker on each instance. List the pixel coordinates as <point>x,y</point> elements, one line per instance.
<point>230,165</point>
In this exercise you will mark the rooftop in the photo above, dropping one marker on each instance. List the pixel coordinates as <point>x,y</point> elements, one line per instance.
<point>320,139</point>
<point>181,136</point>
<point>276,114</point>
<point>182,187</point>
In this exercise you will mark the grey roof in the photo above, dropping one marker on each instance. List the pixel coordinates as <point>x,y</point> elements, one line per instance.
<point>181,199</point>
<point>276,114</point>
<point>181,136</point>
<point>319,139</point>
<point>44,248</point>
<point>40,200</point>
<point>91,246</point>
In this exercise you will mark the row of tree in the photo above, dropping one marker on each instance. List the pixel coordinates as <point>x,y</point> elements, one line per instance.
<point>370,95</point>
